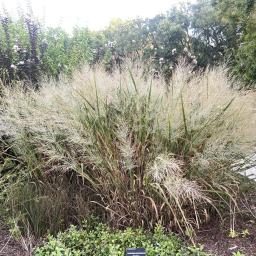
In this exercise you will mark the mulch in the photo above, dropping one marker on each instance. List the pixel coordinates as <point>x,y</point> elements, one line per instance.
<point>8,245</point>
<point>216,240</point>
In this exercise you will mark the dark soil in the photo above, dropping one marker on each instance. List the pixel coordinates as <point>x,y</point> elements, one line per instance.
<point>216,238</point>
<point>8,245</point>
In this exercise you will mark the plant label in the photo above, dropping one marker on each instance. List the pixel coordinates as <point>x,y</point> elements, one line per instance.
<point>135,252</point>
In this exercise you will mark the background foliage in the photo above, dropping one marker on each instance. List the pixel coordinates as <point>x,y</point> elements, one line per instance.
<point>206,33</point>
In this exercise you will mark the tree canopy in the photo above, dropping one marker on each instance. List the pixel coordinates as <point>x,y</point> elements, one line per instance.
<point>206,33</point>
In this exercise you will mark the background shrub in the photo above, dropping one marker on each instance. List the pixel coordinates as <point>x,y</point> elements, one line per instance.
<point>206,34</point>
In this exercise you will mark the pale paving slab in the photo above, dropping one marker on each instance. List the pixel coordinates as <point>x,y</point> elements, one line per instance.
<point>249,167</point>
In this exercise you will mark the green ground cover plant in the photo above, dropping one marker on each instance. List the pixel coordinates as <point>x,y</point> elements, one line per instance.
<point>98,239</point>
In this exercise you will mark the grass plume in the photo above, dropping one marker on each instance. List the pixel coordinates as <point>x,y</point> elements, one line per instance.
<point>137,152</point>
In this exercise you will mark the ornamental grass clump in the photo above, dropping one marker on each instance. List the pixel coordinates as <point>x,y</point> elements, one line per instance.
<point>130,149</point>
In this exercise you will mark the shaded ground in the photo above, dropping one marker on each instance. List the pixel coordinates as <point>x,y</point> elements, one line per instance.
<point>216,239</point>
<point>8,246</point>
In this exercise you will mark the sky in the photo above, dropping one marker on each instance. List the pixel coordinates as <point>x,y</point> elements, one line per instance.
<point>96,14</point>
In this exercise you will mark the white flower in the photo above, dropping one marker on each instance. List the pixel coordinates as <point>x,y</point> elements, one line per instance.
<point>13,66</point>
<point>185,49</point>
<point>133,41</point>
<point>194,61</point>
<point>15,48</point>
<point>111,44</point>
<point>171,67</point>
<point>21,63</point>
<point>174,51</point>
<point>151,46</point>
<point>161,60</point>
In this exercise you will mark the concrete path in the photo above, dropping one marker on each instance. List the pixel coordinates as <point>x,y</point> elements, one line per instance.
<point>248,167</point>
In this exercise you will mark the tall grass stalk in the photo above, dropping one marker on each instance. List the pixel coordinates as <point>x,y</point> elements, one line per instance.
<point>135,152</point>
